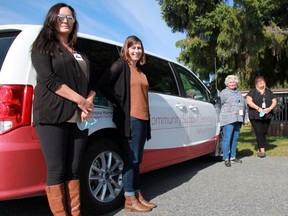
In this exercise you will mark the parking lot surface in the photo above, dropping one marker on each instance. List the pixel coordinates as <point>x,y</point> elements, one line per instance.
<point>258,186</point>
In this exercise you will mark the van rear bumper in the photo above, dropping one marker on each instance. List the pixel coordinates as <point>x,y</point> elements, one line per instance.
<point>22,165</point>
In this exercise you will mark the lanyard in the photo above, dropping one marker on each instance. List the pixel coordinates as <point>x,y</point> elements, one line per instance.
<point>236,95</point>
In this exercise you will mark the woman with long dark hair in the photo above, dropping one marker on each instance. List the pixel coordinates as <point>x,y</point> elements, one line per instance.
<point>63,96</point>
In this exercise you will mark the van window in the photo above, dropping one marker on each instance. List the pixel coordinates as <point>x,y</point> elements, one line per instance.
<point>101,57</point>
<point>5,43</point>
<point>160,76</point>
<point>193,88</point>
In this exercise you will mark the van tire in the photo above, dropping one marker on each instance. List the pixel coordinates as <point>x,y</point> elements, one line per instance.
<point>97,181</point>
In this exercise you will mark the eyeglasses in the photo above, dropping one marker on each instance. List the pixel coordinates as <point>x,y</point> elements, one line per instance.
<point>61,18</point>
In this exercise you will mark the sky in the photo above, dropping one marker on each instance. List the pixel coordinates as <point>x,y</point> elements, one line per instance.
<point>110,19</point>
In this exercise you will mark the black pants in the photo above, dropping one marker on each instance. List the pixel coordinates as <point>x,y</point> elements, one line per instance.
<point>261,129</point>
<point>63,146</point>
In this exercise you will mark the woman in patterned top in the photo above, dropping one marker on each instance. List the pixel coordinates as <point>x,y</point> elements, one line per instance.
<point>231,109</point>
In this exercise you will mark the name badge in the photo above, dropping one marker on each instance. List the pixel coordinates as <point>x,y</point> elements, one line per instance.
<point>241,113</point>
<point>77,56</point>
<point>263,105</point>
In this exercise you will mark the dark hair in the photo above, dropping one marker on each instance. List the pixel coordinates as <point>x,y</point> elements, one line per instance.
<point>130,41</point>
<point>46,41</point>
<point>259,77</point>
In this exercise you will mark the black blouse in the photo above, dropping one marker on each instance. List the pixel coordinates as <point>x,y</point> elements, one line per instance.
<point>258,99</point>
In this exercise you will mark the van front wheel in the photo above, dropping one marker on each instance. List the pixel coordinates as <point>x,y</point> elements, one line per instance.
<point>101,177</point>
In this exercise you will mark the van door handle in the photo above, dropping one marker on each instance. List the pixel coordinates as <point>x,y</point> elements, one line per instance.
<point>180,106</point>
<point>192,107</point>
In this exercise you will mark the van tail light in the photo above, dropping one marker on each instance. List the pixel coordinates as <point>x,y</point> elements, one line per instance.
<point>15,106</point>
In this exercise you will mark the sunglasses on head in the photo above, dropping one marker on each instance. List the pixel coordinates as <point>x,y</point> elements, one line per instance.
<point>61,18</point>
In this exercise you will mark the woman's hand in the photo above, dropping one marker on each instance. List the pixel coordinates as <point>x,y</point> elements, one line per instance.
<point>86,106</point>
<point>260,110</point>
<point>84,116</point>
<point>267,110</point>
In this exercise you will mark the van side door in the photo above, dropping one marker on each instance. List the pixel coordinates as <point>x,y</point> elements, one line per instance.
<point>167,110</point>
<point>202,118</point>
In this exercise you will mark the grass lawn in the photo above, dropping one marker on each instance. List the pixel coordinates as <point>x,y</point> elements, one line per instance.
<point>276,145</point>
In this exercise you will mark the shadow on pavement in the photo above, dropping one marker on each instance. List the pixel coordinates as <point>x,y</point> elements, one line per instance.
<point>160,181</point>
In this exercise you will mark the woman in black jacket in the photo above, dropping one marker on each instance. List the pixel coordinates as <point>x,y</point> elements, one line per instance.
<point>63,96</point>
<point>126,87</point>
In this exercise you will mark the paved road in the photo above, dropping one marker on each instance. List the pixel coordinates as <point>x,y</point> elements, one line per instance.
<point>200,187</point>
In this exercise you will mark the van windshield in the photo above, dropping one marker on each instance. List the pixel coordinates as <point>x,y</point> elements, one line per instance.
<point>5,43</point>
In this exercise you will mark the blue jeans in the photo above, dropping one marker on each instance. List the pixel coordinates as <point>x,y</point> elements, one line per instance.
<point>230,138</point>
<point>133,148</point>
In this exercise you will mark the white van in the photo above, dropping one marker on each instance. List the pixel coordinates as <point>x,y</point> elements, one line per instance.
<point>182,127</point>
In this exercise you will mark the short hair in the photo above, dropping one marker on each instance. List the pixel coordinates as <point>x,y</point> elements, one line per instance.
<point>231,77</point>
<point>130,41</point>
<point>190,93</point>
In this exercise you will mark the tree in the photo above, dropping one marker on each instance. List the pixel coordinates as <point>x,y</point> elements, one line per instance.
<point>246,39</point>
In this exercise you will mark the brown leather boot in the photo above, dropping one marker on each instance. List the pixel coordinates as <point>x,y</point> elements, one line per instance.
<point>56,199</point>
<point>133,205</point>
<point>144,202</point>
<point>72,189</point>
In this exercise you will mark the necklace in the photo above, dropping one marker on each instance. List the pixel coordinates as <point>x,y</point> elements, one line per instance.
<point>70,49</point>
<point>261,91</point>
